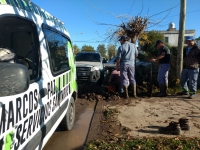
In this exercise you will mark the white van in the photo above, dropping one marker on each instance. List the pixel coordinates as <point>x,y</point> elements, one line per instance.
<point>38,90</point>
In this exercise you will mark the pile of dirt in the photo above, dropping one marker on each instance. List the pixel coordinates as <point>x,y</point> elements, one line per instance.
<point>94,92</point>
<point>105,124</point>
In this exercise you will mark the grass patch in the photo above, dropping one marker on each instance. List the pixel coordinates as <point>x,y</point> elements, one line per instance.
<point>147,143</point>
<point>108,113</point>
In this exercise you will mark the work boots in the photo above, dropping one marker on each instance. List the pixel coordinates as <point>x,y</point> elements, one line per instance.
<point>163,90</point>
<point>173,128</point>
<point>133,88</point>
<point>166,87</point>
<point>125,88</point>
<point>184,124</point>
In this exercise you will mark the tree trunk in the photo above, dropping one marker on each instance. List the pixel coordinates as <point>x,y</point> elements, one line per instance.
<point>133,40</point>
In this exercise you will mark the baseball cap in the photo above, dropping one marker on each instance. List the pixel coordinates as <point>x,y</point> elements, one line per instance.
<point>190,38</point>
<point>122,37</point>
<point>158,42</point>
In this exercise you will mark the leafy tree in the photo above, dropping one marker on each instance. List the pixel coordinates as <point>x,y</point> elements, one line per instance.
<point>144,39</point>
<point>102,50</point>
<point>76,49</point>
<point>197,38</point>
<point>111,51</point>
<point>149,45</point>
<point>87,48</point>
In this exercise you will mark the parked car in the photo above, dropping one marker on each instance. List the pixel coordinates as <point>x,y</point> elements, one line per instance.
<point>89,67</point>
<point>143,69</point>
<point>112,64</point>
<point>105,60</point>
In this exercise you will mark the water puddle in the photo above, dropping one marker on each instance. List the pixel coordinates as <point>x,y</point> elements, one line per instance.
<point>73,139</point>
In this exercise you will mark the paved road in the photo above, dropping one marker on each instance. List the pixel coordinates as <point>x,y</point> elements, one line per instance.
<point>75,138</point>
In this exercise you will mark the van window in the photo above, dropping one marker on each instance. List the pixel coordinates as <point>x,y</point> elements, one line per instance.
<point>20,36</point>
<point>57,45</point>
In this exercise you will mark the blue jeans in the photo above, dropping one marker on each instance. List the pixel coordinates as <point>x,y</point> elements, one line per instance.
<point>163,73</point>
<point>192,76</point>
<point>127,73</point>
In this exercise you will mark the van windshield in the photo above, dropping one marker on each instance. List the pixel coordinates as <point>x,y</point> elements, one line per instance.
<point>88,57</point>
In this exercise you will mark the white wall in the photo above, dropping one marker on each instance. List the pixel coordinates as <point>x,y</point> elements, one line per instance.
<point>198,42</point>
<point>173,38</point>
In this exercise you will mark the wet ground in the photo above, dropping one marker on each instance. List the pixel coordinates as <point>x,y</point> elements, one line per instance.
<point>115,118</point>
<point>75,138</point>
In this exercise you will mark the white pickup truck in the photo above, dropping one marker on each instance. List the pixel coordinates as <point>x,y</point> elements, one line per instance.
<point>89,67</point>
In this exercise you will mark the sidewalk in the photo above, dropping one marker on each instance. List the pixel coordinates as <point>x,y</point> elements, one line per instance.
<point>144,116</point>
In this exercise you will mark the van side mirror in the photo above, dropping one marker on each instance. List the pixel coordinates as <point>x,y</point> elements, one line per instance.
<point>14,79</point>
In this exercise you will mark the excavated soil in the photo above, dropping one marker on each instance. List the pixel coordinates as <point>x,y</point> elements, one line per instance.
<point>116,117</point>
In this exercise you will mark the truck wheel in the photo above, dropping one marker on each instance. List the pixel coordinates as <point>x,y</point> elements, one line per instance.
<point>68,121</point>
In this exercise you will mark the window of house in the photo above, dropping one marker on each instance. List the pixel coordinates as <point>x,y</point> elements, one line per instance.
<point>57,45</point>
<point>166,39</point>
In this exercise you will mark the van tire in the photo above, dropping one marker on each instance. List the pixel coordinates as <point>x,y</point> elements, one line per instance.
<point>68,121</point>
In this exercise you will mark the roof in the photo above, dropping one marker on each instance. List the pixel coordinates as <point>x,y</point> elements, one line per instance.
<point>177,32</point>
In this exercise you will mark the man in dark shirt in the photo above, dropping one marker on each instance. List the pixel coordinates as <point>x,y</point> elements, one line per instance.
<point>190,71</point>
<point>164,65</point>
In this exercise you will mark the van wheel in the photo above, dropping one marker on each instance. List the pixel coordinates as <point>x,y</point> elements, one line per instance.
<point>68,121</point>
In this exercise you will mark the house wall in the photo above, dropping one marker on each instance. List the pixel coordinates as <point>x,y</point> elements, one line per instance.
<point>172,39</point>
<point>198,42</point>
<point>173,36</point>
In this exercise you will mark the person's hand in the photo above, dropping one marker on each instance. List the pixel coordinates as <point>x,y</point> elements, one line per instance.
<point>153,60</point>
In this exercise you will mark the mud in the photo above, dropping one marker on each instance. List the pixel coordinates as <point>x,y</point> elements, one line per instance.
<point>75,138</point>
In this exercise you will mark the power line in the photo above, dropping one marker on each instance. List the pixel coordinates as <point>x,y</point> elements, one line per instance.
<point>164,11</point>
<point>186,13</point>
<point>131,7</point>
<point>160,20</point>
<point>142,7</point>
<point>173,16</point>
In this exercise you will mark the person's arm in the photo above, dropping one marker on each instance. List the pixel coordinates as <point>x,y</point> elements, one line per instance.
<point>159,57</point>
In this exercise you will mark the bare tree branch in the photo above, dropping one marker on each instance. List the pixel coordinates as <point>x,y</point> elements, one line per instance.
<point>160,20</point>
<point>133,27</point>
<point>142,8</point>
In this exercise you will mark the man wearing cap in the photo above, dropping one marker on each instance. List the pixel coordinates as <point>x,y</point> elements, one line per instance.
<point>126,58</point>
<point>190,71</point>
<point>164,65</point>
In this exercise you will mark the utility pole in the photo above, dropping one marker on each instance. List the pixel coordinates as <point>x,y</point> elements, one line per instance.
<point>181,37</point>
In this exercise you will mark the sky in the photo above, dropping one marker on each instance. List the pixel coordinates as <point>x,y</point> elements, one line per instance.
<point>81,17</point>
